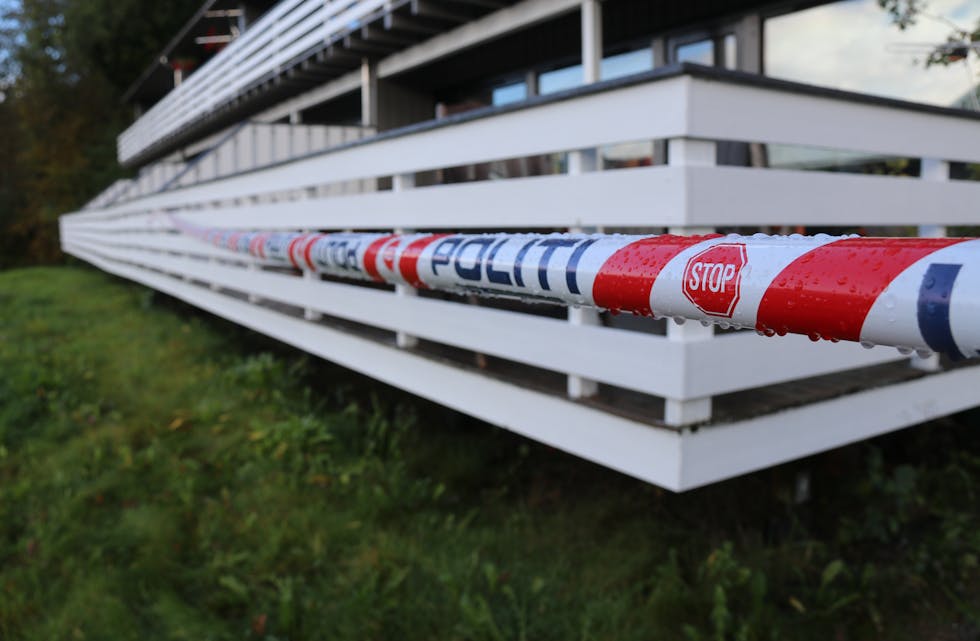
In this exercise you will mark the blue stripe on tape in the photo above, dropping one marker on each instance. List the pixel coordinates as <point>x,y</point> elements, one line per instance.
<point>571,272</point>
<point>935,294</point>
<point>519,262</point>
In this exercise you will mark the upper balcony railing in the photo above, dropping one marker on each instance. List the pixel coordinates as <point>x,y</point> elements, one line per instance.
<point>290,30</point>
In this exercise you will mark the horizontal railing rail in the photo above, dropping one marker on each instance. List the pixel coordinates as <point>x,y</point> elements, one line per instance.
<point>683,102</point>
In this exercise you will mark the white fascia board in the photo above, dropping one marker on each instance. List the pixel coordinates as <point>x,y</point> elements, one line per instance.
<point>491,27</point>
<point>718,452</point>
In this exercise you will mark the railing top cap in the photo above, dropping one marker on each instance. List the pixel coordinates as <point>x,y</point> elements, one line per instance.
<point>803,89</point>
<point>676,70</point>
<point>685,69</point>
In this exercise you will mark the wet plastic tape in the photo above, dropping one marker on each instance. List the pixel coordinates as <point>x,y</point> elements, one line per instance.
<point>919,294</point>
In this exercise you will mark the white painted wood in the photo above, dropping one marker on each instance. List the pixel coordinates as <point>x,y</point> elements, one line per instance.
<point>369,93</point>
<point>288,29</point>
<point>647,453</point>
<point>685,369</point>
<point>310,313</point>
<point>161,243</point>
<point>253,268</point>
<point>744,360</point>
<point>647,196</point>
<point>728,111</point>
<point>725,195</point>
<point>586,160</point>
<point>687,410</point>
<point>591,11</point>
<point>937,171</point>
<point>677,461</point>
<point>582,161</point>
<point>579,386</point>
<point>401,183</point>
<point>521,15</point>
<point>690,195</point>
<point>687,152</point>
<point>627,116</point>
<point>556,345</point>
<point>557,126</point>
<point>723,451</point>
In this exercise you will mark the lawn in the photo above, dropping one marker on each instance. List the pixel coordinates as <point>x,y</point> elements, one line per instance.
<point>167,475</point>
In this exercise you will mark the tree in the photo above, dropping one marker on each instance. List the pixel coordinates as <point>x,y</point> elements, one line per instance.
<point>63,69</point>
<point>961,43</point>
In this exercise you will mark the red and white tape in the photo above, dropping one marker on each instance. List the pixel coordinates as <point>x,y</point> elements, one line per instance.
<point>912,293</point>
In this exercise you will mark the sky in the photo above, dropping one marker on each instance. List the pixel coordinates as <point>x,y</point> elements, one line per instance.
<point>853,46</point>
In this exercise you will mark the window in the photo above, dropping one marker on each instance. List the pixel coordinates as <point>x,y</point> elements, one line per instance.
<point>510,93</point>
<point>715,51</point>
<point>852,45</point>
<point>560,79</point>
<point>701,52</point>
<point>615,66</point>
<point>626,64</point>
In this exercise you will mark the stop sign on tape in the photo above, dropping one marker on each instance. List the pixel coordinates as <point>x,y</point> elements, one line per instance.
<point>712,278</point>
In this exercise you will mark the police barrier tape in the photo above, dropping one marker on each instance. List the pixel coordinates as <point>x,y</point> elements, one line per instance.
<point>918,294</point>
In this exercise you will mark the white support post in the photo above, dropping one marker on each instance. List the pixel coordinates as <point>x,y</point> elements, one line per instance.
<point>591,41</point>
<point>253,266</point>
<point>685,151</point>
<point>310,276</point>
<point>295,118</point>
<point>585,160</point>
<point>688,151</point>
<point>213,286</point>
<point>582,161</point>
<point>369,113</point>
<point>401,182</point>
<point>936,170</point>
<point>308,313</point>
<point>369,93</point>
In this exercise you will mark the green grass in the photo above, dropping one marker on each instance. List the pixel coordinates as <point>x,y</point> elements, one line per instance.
<point>166,475</point>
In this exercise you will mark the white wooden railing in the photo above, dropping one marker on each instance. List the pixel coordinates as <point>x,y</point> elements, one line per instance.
<point>249,146</point>
<point>287,31</point>
<point>691,108</point>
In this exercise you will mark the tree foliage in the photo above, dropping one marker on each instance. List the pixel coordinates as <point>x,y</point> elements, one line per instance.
<point>961,42</point>
<point>63,69</point>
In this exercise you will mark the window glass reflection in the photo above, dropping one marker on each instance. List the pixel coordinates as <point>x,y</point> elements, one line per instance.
<point>560,79</point>
<point>625,64</point>
<point>852,45</point>
<point>701,52</point>
<point>510,93</point>
<point>616,66</point>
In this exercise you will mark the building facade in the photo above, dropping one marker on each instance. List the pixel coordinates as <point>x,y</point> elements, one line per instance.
<point>542,115</point>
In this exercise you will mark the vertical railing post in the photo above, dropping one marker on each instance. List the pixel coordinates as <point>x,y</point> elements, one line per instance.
<point>580,162</point>
<point>585,160</point>
<point>369,110</point>
<point>310,276</point>
<point>403,182</point>
<point>935,170</point>
<point>591,40</point>
<point>253,266</point>
<point>685,411</point>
